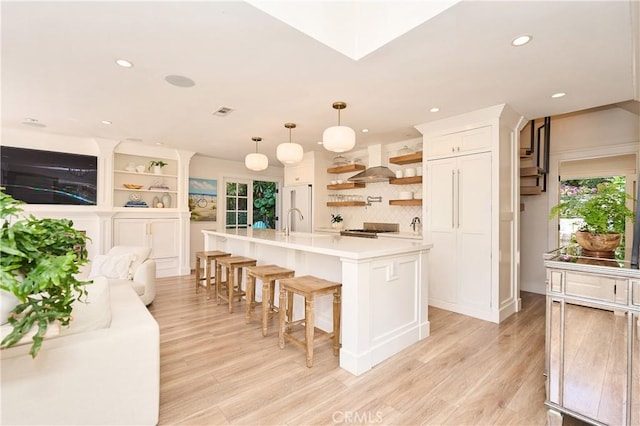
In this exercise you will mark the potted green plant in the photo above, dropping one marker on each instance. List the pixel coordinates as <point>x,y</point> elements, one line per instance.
<point>336,221</point>
<point>38,267</point>
<point>602,211</point>
<point>156,166</point>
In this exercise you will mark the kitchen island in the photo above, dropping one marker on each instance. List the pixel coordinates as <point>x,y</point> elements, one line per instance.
<point>384,285</point>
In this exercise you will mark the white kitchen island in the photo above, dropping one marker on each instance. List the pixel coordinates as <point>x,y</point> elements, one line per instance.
<point>384,285</point>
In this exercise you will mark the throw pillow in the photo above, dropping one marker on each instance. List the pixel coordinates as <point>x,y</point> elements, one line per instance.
<point>116,267</point>
<point>140,254</point>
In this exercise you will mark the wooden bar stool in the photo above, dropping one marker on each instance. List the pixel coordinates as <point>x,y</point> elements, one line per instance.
<point>233,265</point>
<point>308,287</point>
<point>268,274</point>
<point>209,258</point>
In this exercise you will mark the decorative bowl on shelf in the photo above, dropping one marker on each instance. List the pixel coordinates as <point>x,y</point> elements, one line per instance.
<point>340,161</point>
<point>132,186</point>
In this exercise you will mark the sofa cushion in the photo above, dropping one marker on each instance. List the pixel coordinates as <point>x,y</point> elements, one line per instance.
<point>93,312</point>
<point>92,315</point>
<point>111,266</point>
<point>140,254</point>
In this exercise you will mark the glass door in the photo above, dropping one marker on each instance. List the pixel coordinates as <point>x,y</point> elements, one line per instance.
<point>238,198</point>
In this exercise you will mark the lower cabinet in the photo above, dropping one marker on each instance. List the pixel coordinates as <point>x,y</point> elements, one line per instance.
<point>161,234</point>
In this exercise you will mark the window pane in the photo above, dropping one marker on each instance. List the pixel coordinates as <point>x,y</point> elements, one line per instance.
<point>242,218</point>
<point>231,203</point>
<point>231,188</point>
<point>242,204</point>
<point>231,218</point>
<point>242,189</point>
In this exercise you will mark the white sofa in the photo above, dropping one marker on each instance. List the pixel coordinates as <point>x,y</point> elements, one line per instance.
<point>130,264</point>
<point>102,370</point>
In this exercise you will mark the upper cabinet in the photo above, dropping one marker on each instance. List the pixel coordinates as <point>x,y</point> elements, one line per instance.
<point>135,183</point>
<point>466,141</point>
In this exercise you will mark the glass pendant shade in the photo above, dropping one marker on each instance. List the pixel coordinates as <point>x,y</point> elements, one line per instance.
<point>256,161</point>
<point>289,153</point>
<point>339,138</point>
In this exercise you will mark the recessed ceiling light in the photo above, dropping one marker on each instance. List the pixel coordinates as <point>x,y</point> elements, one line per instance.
<point>33,122</point>
<point>106,122</point>
<point>159,143</point>
<point>365,130</point>
<point>434,109</point>
<point>521,40</point>
<point>124,63</point>
<point>558,95</point>
<point>223,111</point>
<point>319,142</point>
<point>180,81</point>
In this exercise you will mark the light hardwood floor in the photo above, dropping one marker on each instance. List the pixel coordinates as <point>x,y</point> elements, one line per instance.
<point>216,369</point>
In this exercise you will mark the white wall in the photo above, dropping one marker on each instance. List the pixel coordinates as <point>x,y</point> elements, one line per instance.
<point>606,130</point>
<point>204,167</point>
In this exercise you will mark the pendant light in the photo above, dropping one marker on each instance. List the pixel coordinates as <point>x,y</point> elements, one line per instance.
<point>339,138</point>
<point>256,161</point>
<point>289,153</point>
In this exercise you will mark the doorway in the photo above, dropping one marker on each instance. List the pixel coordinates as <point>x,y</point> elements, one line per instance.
<point>250,203</point>
<point>578,177</point>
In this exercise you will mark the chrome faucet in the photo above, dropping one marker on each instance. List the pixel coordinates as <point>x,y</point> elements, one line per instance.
<point>415,221</point>
<point>287,227</point>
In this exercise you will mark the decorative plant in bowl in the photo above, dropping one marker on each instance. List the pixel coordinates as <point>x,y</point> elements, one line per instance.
<point>336,221</point>
<point>603,214</point>
<point>38,267</point>
<point>156,166</point>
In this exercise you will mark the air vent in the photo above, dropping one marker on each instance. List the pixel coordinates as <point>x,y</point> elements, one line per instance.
<point>223,111</point>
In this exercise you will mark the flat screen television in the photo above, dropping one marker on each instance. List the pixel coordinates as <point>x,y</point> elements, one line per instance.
<point>47,177</point>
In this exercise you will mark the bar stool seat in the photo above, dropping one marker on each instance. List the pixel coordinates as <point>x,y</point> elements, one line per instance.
<point>268,274</point>
<point>308,287</point>
<point>209,259</point>
<point>233,266</point>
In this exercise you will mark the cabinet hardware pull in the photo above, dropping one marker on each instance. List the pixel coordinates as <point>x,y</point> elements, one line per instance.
<point>458,195</point>
<point>453,196</point>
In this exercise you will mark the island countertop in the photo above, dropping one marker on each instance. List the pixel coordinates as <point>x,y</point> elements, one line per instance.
<point>328,244</point>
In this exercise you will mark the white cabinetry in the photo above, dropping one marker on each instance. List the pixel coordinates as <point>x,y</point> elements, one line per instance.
<point>459,189</point>
<point>162,235</point>
<point>471,212</point>
<point>466,141</point>
<point>301,173</point>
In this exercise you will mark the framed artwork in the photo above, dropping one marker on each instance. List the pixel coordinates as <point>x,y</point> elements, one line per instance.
<point>203,199</point>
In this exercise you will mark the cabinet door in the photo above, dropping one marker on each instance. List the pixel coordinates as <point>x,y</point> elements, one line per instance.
<point>442,145</point>
<point>130,232</point>
<point>299,174</point>
<point>473,224</point>
<point>440,212</point>
<point>475,139</point>
<point>164,238</point>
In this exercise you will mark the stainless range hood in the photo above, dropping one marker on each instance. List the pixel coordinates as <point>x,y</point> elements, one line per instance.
<point>376,172</point>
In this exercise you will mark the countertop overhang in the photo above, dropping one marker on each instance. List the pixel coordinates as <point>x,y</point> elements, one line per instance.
<point>328,244</point>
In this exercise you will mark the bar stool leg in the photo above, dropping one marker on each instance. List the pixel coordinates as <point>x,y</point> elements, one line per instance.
<point>309,320</point>
<point>267,303</point>
<point>198,277</point>
<point>207,272</point>
<point>218,281</point>
<point>336,321</point>
<point>251,297</point>
<point>281,317</point>
<point>230,287</point>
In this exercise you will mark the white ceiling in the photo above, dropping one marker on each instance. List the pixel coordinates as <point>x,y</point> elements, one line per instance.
<point>58,66</point>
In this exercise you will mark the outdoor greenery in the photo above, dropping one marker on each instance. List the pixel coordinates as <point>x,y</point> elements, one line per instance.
<point>40,258</point>
<point>599,202</point>
<point>264,203</point>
